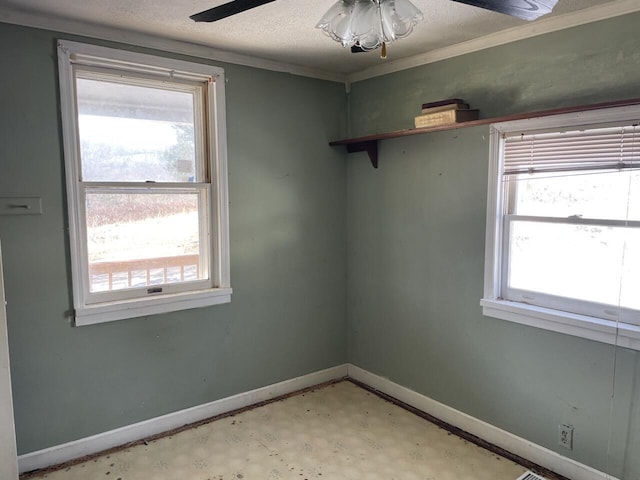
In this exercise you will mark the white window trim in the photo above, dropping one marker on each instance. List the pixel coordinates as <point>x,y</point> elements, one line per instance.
<point>598,329</point>
<point>70,53</point>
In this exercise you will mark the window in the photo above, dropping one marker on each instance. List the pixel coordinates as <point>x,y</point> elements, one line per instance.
<point>563,224</point>
<point>145,157</point>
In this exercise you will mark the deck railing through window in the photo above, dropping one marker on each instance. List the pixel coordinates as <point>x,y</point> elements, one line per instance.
<point>107,276</point>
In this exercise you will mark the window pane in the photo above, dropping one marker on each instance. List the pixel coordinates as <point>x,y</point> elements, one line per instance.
<point>630,289</point>
<point>576,261</point>
<point>142,239</point>
<point>132,133</point>
<point>604,195</point>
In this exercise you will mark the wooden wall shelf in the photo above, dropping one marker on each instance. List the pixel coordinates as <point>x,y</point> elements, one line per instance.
<point>369,143</point>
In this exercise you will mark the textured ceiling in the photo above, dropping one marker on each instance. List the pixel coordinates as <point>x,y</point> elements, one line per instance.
<point>282,31</point>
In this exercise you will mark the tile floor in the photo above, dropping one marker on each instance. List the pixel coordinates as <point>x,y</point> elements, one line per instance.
<point>339,431</point>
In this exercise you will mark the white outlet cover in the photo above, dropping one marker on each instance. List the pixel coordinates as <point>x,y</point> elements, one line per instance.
<point>565,436</point>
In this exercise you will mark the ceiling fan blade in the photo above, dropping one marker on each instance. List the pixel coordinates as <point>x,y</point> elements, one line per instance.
<point>227,9</point>
<point>524,9</point>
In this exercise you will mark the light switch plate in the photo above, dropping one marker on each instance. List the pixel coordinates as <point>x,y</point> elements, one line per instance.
<point>20,206</point>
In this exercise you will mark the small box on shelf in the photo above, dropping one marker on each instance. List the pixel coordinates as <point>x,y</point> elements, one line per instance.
<point>442,105</point>
<point>445,112</point>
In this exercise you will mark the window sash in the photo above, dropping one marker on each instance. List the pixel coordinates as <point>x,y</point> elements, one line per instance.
<point>573,305</point>
<point>590,309</point>
<point>151,79</point>
<point>206,257</point>
<point>603,222</point>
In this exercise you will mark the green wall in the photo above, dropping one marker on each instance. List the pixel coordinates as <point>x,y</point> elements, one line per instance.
<point>416,240</point>
<point>410,235</point>
<point>287,318</point>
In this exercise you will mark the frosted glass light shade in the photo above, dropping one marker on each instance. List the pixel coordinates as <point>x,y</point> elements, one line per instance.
<point>369,23</point>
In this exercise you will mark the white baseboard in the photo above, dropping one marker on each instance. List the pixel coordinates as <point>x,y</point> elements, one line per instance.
<point>137,431</point>
<point>503,439</point>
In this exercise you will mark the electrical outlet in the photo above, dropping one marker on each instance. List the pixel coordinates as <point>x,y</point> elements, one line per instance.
<point>565,436</point>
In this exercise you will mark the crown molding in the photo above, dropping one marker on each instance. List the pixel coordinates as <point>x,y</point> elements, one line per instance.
<point>138,39</point>
<point>540,27</point>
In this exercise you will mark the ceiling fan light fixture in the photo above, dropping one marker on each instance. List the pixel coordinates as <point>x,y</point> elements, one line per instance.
<point>369,24</point>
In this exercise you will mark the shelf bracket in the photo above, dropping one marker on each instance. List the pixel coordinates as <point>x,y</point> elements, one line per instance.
<point>369,146</point>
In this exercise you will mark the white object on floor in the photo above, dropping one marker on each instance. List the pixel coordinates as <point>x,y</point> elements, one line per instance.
<point>529,475</point>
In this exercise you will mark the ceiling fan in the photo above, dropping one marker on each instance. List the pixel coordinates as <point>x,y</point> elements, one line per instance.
<point>524,9</point>
<point>366,25</point>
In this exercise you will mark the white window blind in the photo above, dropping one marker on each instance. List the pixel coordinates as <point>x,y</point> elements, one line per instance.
<point>607,148</point>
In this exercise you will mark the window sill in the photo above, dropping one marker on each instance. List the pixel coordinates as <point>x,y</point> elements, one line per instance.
<point>108,312</point>
<point>606,331</point>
